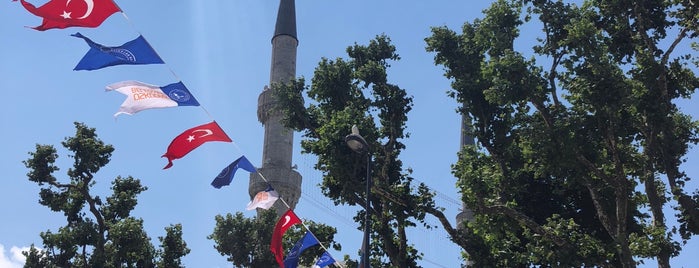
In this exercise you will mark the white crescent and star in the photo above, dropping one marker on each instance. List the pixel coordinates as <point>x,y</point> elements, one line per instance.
<point>286,220</point>
<point>90,6</point>
<point>208,132</point>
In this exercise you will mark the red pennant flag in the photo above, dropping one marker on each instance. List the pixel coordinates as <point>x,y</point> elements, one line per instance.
<point>68,13</point>
<point>191,139</point>
<point>287,220</point>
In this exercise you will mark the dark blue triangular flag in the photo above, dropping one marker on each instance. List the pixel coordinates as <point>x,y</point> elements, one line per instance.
<point>292,259</point>
<point>226,176</point>
<point>136,51</point>
<point>324,260</point>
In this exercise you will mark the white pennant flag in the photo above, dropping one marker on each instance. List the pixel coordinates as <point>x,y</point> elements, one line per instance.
<point>141,96</point>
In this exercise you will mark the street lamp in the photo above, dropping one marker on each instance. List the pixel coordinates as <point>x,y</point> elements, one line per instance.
<point>358,144</point>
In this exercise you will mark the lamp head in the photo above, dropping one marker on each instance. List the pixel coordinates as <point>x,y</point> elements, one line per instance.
<point>356,142</point>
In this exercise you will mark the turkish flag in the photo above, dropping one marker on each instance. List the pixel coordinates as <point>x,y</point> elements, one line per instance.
<point>191,139</point>
<point>72,13</point>
<point>287,220</point>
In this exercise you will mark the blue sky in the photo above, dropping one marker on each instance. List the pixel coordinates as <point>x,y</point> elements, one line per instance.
<point>221,50</point>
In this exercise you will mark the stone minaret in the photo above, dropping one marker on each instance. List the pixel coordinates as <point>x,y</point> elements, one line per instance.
<point>466,214</point>
<point>278,140</point>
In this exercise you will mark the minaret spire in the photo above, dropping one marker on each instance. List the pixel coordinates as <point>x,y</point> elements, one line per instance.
<point>286,19</point>
<point>278,140</point>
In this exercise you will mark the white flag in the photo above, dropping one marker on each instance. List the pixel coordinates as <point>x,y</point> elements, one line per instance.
<point>141,96</point>
<point>264,199</point>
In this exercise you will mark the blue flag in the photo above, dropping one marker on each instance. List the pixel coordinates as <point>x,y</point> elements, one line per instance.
<point>136,51</point>
<point>226,175</point>
<point>324,260</point>
<point>292,259</point>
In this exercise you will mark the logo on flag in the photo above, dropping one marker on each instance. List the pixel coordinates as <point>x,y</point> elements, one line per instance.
<point>134,52</point>
<point>180,95</point>
<point>264,199</point>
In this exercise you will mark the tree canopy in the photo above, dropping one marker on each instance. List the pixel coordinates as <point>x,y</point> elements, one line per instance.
<point>99,232</point>
<point>351,92</point>
<point>580,144</point>
<point>246,241</point>
<point>579,140</point>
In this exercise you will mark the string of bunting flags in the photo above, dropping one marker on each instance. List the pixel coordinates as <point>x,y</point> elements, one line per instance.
<point>58,14</point>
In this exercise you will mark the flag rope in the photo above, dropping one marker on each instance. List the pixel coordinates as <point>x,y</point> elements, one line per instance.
<point>337,263</point>
<point>306,196</point>
<point>95,24</point>
<point>133,26</point>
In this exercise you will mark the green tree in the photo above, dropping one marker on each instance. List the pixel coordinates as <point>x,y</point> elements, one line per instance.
<point>98,233</point>
<point>356,92</point>
<point>173,247</point>
<point>246,241</point>
<point>578,159</point>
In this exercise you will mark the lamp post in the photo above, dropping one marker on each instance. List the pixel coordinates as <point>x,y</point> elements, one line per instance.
<point>358,144</point>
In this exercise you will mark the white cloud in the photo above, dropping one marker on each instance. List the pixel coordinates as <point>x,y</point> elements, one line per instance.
<point>14,260</point>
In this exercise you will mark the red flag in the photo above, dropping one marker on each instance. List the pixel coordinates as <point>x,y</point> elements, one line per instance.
<point>191,139</point>
<point>68,13</point>
<point>287,220</point>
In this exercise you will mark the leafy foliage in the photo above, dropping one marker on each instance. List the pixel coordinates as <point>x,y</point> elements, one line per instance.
<point>356,91</point>
<point>246,241</point>
<point>98,233</point>
<point>575,159</point>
